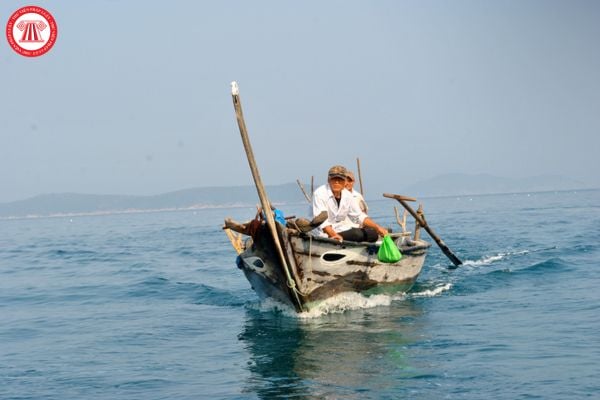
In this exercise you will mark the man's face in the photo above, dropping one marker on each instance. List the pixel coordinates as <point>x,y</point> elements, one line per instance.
<point>336,183</point>
<point>349,183</point>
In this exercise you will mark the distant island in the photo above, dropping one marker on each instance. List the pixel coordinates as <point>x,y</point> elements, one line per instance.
<point>196,198</point>
<point>245,196</point>
<point>473,184</point>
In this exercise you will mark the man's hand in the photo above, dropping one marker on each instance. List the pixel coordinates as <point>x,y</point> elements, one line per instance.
<point>332,234</point>
<point>338,237</point>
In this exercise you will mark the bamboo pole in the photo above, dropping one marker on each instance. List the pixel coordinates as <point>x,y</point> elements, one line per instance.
<point>417,235</point>
<point>359,176</point>
<point>403,199</point>
<point>303,191</point>
<point>262,195</point>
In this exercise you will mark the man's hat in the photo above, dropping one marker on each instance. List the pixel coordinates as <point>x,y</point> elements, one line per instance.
<point>350,175</point>
<point>337,171</point>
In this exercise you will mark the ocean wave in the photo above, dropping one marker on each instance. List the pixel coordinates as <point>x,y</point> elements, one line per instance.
<point>551,265</point>
<point>196,293</point>
<point>545,267</point>
<point>83,256</point>
<point>478,282</point>
<point>212,296</point>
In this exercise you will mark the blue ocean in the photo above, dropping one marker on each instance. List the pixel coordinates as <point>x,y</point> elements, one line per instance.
<point>152,306</point>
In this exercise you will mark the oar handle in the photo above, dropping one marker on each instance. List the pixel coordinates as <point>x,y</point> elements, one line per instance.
<point>445,249</point>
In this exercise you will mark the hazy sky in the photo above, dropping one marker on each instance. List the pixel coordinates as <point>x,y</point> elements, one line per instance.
<point>134,98</point>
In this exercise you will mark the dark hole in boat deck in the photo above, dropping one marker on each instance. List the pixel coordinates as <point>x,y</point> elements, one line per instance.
<point>333,256</point>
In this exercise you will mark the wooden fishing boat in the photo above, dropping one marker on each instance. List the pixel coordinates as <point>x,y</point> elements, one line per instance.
<point>321,268</point>
<point>289,264</point>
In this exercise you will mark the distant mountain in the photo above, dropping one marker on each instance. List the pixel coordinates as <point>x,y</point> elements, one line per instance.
<point>74,203</point>
<point>442,185</point>
<point>465,184</point>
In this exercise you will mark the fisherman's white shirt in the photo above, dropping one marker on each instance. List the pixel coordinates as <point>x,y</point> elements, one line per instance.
<point>338,216</point>
<point>361,204</point>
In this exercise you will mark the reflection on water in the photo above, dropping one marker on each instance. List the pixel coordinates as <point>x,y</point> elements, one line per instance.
<point>355,354</point>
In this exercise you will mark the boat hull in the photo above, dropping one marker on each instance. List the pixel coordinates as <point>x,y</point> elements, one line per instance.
<point>322,268</point>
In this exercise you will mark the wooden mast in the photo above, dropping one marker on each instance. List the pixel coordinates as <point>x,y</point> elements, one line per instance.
<point>262,195</point>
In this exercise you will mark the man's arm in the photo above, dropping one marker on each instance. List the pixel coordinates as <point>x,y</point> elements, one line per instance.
<point>368,222</point>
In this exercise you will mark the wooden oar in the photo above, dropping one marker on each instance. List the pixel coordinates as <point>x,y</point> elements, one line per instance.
<point>403,199</point>
<point>262,195</point>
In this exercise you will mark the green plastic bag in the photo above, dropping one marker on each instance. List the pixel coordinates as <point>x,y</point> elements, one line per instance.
<point>388,251</point>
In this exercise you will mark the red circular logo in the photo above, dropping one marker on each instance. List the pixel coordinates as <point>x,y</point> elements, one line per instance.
<point>31,31</point>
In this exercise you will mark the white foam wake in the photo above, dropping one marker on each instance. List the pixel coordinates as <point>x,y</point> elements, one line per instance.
<point>487,260</point>
<point>272,305</point>
<point>347,301</point>
<point>432,292</point>
<point>336,304</point>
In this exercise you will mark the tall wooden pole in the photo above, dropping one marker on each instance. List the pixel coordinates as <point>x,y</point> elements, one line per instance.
<point>262,194</point>
<point>359,176</point>
<point>303,191</point>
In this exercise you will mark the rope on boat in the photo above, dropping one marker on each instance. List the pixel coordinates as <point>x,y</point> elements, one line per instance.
<point>310,253</point>
<point>292,286</point>
<point>291,283</point>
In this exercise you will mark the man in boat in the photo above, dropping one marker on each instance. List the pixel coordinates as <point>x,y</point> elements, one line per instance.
<point>341,208</point>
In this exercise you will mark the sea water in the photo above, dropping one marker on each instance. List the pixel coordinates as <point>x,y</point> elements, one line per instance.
<point>152,306</point>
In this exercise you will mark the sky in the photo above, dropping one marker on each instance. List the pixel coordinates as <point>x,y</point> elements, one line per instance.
<point>134,98</point>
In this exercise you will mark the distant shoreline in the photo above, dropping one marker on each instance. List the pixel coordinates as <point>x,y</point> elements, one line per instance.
<point>249,205</point>
<point>128,211</point>
<point>507,193</point>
